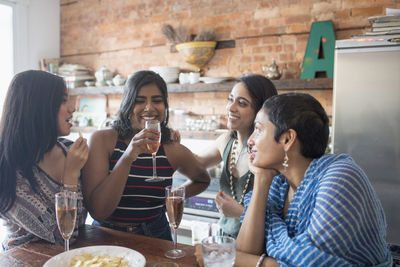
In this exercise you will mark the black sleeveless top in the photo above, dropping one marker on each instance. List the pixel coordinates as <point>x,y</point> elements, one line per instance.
<point>142,201</point>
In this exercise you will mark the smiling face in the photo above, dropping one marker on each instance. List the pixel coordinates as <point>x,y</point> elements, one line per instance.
<point>240,109</point>
<point>149,104</point>
<point>266,152</point>
<point>65,116</point>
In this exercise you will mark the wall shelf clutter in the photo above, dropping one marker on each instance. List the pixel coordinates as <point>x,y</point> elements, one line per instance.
<point>208,100</point>
<point>284,84</point>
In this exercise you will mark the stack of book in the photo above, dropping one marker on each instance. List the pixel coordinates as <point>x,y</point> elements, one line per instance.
<point>383,25</point>
<point>75,75</point>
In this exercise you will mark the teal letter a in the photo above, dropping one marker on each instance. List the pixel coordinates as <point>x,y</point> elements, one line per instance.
<point>319,56</point>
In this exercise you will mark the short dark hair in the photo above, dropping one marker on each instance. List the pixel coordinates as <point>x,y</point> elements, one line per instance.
<point>304,114</point>
<point>28,128</point>
<point>260,88</point>
<point>132,86</point>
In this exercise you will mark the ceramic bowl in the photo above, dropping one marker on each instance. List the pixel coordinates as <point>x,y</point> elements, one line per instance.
<point>197,53</point>
<point>169,74</point>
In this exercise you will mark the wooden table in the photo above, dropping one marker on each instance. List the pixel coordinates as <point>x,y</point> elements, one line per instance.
<point>153,249</point>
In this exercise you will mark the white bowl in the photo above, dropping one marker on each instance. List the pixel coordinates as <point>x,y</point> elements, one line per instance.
<point>165,69</point>
<point>169,74</point>
<point>169,78</point>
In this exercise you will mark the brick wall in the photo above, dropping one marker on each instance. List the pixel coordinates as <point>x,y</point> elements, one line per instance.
<point>125,36</point>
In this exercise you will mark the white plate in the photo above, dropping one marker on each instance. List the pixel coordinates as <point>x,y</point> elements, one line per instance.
<point>134,258</point>
<point>213,79</point>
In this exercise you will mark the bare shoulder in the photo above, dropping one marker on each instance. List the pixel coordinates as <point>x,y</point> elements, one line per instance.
<point>222,140</point>
<point>104,138</point>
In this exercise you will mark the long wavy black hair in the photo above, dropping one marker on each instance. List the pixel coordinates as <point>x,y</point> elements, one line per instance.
<point>132,86</point>
<point>260,89</point>
<point>28,128</point>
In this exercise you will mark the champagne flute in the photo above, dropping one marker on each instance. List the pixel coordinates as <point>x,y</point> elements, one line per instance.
<point>155,125</point>
<point>174,203</point>
<point>66,214</point>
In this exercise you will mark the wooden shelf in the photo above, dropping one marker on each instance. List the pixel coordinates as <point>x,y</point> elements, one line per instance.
<point>204,135</point>
<point>185,134</point>
<point>288,84</point>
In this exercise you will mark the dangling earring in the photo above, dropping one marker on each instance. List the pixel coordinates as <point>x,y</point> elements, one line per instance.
<point>285,161</point>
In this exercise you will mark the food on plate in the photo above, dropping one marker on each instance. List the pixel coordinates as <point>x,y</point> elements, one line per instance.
<point>86,260</point>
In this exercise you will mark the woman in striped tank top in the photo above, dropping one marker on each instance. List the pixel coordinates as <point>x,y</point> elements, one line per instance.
<point>116,191</point>
<point>307,208</point>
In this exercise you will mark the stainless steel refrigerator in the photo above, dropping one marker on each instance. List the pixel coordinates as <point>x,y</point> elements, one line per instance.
<point>366,115</point>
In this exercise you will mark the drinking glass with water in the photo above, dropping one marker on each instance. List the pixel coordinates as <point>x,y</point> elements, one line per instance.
<point>218,251</point>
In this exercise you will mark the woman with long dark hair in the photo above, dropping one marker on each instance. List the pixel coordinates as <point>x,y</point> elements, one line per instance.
<point>244,101</point>
<point>34,162</point>
<point>117,192</point>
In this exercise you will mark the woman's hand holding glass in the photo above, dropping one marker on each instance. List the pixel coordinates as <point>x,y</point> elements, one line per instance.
<point>140,143</point>
<point>153,147</point>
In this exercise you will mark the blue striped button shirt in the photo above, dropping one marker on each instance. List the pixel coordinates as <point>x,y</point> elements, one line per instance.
<point>334,219</point>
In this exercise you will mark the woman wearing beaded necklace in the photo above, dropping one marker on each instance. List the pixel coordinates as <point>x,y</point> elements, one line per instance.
<point>244,101</point>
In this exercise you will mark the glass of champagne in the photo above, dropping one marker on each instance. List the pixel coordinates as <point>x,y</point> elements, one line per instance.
<point>174,202</point>
<point>66,214</point>
<point>155,125</point>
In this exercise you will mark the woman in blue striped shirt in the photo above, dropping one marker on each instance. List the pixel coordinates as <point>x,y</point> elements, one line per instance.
<point>307,208</point>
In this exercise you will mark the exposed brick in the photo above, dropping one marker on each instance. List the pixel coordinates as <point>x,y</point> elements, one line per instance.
<point>295,10</point>
<point>252,41</point>
<point>298,19</point>
<point>125,36</point>
<point>270,40</point>
<point>366,11</point>
<point>279,21</point>
<point>266,13</point>
<point>159,18</point>
<point>297,28</point>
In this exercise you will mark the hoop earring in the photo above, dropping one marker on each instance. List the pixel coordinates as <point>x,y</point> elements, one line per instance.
<point>248,149</point>
<point>285,161</point>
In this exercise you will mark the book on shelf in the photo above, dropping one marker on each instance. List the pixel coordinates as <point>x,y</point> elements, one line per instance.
<point>385,29</point>
<point>384,18</point>
<point>386,24</point>
<point>383,32</point>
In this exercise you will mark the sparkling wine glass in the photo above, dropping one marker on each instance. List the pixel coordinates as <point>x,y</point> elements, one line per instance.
<point>66,214</point>
<point>174,201</point>
<point>155,125</point>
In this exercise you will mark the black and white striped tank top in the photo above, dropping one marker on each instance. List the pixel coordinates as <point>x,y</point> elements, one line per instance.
<point>142,201</point>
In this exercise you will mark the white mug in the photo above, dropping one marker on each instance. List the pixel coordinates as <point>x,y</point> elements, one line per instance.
<point>183,78</point>
<point>194,77</point>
